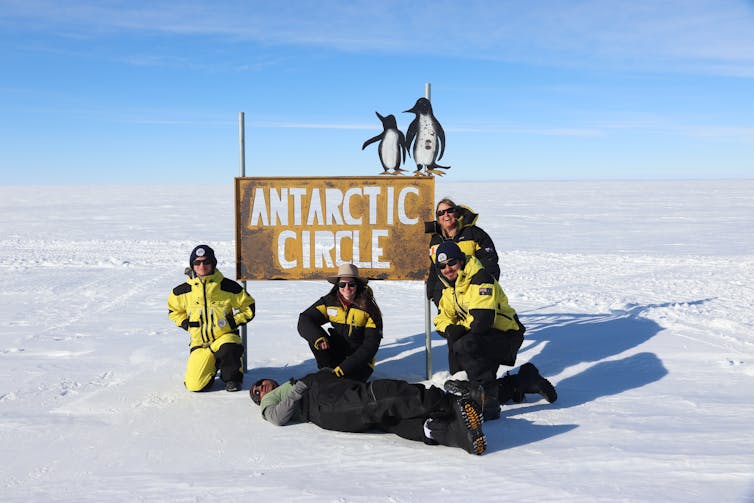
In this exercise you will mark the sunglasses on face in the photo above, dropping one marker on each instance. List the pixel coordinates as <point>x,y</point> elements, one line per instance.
<point>256,391</point>
<point>452,210</point>
<point>200,262</point>
<point>451,263</point>
<point>344,284</point>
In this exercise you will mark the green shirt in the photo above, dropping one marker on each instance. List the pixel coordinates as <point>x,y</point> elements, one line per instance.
<point>283,404</point>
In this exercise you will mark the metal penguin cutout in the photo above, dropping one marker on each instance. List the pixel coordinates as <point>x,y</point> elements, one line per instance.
<point>392,146</point>
<point>428,139</point>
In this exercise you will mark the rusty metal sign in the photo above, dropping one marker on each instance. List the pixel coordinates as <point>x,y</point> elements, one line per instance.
<point>304,228</point>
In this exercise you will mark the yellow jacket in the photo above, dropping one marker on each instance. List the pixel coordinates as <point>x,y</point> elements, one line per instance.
<point>358,330</point>
<point>211,309</point>
<point>476,301</point>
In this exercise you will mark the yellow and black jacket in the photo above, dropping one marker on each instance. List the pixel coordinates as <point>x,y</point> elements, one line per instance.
<point>354,329</point>
<point>211,309</point>
<point>476,301</point>
<point>471,239</point>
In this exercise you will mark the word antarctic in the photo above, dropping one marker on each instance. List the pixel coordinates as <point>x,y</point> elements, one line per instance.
<point>341,214</point>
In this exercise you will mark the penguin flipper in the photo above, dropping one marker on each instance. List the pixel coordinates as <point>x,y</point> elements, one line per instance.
<point>372,140</point>
<point>410,133</point>
<point>440,137</point>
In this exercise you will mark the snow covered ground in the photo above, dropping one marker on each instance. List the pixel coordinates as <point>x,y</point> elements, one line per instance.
<point>639,298</point>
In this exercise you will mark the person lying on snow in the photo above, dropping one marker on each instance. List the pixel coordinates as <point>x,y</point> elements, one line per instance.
<point>411,411</point>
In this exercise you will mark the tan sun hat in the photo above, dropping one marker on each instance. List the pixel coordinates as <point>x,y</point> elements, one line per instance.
<point>347,271</point>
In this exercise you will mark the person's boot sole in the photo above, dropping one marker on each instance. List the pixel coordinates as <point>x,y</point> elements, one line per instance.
<point>466,410</point>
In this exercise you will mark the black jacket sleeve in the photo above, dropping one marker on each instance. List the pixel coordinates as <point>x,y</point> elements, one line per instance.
<point>487,254</point>
<point>310,323</point>
<point>434,285</point>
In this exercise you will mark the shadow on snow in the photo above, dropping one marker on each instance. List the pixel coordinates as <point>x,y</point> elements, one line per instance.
<point>564,341</point>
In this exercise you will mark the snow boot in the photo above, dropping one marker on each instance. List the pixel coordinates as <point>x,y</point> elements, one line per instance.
<point>530,381</point>
<point>232,386</point>
<point>463,429</point>
<point>466,389</point>
<point>491,404</point>
<point>509,388</point>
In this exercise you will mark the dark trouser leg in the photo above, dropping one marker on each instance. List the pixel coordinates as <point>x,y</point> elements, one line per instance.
<point>472,352</point>
<point>480,355</point>
<point>229,361</point>
<point>394,406</point>
<point>332,356</point>
<point>453,364</point>
<point>402,408</point>
<point>410,429</point>
<point>393,398</point>
<point>361,373</point>
<point>336,403</point>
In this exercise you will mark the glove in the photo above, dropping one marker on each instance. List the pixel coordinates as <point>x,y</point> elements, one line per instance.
<point>338,371</point>
<point>454,332</point>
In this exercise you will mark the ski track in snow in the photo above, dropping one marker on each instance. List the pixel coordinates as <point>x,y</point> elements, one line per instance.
<point>638,309</point>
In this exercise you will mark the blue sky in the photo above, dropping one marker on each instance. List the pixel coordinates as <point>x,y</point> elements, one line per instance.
<point>149,92</point>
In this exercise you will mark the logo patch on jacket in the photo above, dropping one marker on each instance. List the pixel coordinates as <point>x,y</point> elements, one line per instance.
<point>485,291</point>
<point>332,311</point>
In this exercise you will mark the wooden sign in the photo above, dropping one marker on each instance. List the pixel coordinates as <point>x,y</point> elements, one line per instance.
<point>304,228</point>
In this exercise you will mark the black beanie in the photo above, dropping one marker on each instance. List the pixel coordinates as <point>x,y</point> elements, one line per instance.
<point>203,251</point>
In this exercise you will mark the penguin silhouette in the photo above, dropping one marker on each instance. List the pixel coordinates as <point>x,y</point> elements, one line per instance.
<point>392,146</point>
<point>428,139</point>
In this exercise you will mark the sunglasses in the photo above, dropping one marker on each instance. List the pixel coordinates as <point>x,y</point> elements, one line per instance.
<point>256,391</point>
<point>344,284</point>
<point>451,263</point>
<point>200,262</point>
<point>452,210</point>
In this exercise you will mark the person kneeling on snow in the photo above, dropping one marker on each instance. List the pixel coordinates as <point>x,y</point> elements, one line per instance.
<point>411,411</point>
<point>483,331</point>
<point>210,308</point>
<point>349,346</point>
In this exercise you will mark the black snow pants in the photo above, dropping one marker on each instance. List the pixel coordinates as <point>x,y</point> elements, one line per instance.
<point>388,405</point>
<point>481,354</point>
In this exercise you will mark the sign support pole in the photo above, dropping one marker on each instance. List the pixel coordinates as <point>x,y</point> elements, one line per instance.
<point>242,161</point>
<point>427,307</point>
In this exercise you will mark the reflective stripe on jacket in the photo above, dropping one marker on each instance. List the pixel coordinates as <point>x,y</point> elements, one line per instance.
<point>476,301</point>
<point>210,308</point>
<point>360,332</point>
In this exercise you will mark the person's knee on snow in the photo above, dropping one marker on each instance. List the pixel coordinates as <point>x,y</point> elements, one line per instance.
<point>200,369</point>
